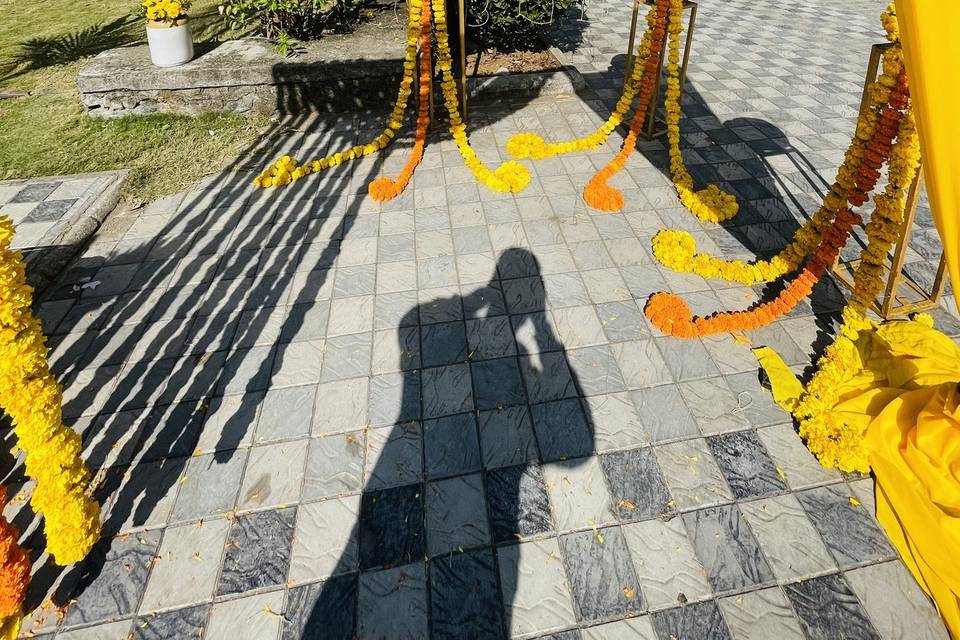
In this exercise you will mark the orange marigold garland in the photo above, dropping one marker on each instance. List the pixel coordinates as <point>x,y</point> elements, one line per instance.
<point>597,193</point>
<point>14,575</point>
<point>385,188</point>
<point>671,314</point>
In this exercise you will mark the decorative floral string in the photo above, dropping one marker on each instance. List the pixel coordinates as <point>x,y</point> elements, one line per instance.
<point>14,575</point>
<point>32,399</point>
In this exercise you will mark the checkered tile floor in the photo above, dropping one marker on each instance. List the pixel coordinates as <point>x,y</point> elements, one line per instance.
<point>312,416</point>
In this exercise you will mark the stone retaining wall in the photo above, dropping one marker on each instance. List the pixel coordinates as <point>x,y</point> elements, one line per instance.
<point>248,76</point>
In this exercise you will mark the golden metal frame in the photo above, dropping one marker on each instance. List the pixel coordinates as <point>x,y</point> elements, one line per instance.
<point>650,130</point>
<point>893,304</point>
<point>462,17</point>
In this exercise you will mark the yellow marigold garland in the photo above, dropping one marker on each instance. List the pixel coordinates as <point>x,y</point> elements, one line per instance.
<point>677,249</point>
<point>835,443</point>
<point>32,399</point>
<point>533,146</point>
<point>509,176</point>
<point>287,169</point>
<point>710,204</point>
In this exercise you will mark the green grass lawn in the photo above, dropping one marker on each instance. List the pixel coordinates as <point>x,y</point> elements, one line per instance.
<point>43,44</point>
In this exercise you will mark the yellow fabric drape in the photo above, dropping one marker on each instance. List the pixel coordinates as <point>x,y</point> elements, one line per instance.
<point>930,35</point>
<point>906,397</point>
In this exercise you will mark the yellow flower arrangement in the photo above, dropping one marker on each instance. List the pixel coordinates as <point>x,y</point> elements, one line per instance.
<point>710,204</point>
<point>677,249</point>
<point>533,146</point>
<point>165,10</point>
<point>509,176</point>
<point>287,169</point>
<point>32,399</point>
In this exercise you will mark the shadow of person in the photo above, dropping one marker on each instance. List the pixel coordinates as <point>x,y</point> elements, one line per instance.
<point>489,396</point>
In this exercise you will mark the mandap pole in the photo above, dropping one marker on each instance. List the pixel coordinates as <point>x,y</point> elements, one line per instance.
<point>462,20</point>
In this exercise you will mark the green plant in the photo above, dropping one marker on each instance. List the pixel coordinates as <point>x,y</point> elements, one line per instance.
<point>512,24</point>
<point>285,43</point>
<point>299,19</point>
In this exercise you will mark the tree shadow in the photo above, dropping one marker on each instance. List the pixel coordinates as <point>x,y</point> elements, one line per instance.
<point>43,52</point>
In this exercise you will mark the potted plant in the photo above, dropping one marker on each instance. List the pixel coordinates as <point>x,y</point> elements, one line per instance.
<point>168,32</point>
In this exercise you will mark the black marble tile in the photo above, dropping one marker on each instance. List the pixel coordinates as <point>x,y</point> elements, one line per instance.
<point>487,301</point>
<point>700,621</point>
<point>518,503</point>
<point>562,430</point>
<point>50,211</point>
<point>443,343</point>
<point>547,376</point>
<point>465,597</point>
<point>828,609</point>
<point>451,446</point>
<point>746,465</point>
<point>601,575</point>
<point>726,548</point>
<point>490,337</point>
<point>35,192</point>
<point>321,611</point>
<point>391,527</point>
<point>636,484</point>
<point>257,551</point>
<point>112,578</point>
<point>851,534</point>
<point>498,383</point>
<point>179,623</point>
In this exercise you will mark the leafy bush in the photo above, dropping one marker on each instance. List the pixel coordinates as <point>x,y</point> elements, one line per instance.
<point>512,24</point>
<point>295,19</point>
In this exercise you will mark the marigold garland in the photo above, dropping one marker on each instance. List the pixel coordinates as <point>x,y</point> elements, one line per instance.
<point>597,193</point>
<point>510,176</point>
<point>671,314</point>
<point>14,575</point>
<point>385,188</point>
<point>32,399</point>
<point>710,204</point>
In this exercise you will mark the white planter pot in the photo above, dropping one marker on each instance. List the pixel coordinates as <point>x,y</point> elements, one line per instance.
<point>170,45</point>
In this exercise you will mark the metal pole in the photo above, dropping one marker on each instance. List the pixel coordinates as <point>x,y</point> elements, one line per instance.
<point>631,54</point>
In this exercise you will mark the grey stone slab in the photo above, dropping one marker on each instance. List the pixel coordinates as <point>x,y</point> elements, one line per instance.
<point>562,430</point>
<point>517,501</point>
<point>506,437</point>
<point>456,516</point>
<point>498,384</point>
<point>714,406</point>
<point>341,406</point>
<point>286,414</point>
<point>596,370</point>
<point>465,599</point>
<point>622,321</point>
<point>446,390</point>
<point>666,563</point>
<point>208,486</point>
<point>111,583</point>
<point>327,608</point>
<point>451,446</point>
<point>490,338</point>
<point>547,376</point>
<point>394,455</point>
<point>274,475</point>
<point>663,413</point>
<point>799,467</point>
<point>256,617</point>
<point>179,623</point>
<point>325,540</point>
<point>700,620</point>
<point>391,530</point>
<point>757,402</point>
<point>347,357</point>
<point>578,494</point>
<point>851,534</point>
<point>641,364</point>
<point>187,570</point>
<point>726,547</point>
<point>827,608</point>
<point>601,575</point>
<point>393,603</point>
<point>746,465</point>
<point>444,343</point>
<point>636,484</point>
<point>334,465</point>
<point>760,614</point>
<point>686,359</point>
<point>534,587</point>
<point>895,603</point>
<point>257,552</point>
